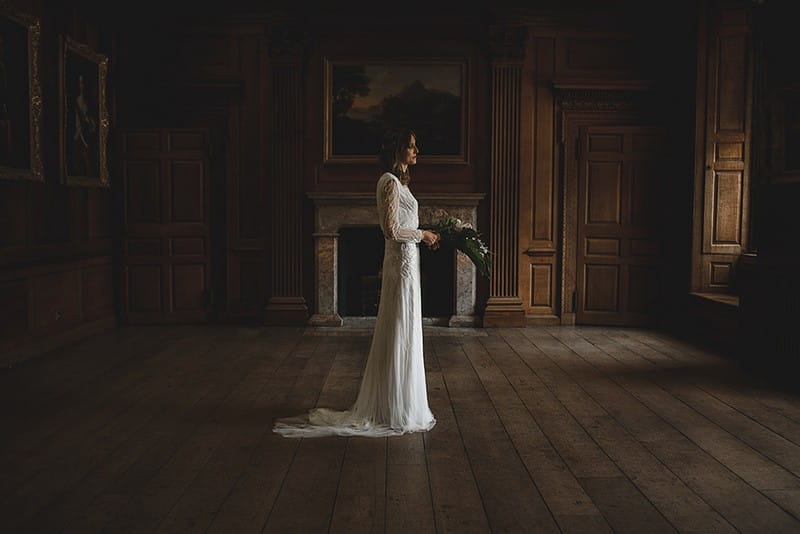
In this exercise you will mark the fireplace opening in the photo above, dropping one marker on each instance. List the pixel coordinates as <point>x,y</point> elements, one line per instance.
<point>360,258</point>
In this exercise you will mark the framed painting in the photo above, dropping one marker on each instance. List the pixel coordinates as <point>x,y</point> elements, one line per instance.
<point>84,117</point>
<point>20,96</point>
<point>365,98</point>
<point>785,135</point>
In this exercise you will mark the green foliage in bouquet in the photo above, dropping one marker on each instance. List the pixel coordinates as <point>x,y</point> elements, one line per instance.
<point>463,237</point>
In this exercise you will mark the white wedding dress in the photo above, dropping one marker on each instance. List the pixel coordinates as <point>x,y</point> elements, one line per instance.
<point>393,397</point>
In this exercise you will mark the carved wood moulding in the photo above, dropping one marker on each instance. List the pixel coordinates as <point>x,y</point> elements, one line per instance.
<point>587,99</point>
<point>20,121</point>
<point>505,177</point>
<point>286,304</point>
<point>286,171</point>
<point>504,307</point>
<point>287,41</point>
<point>507,43</point>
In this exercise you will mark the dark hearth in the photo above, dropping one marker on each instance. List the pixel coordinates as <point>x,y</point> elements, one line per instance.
<point>359,276</point>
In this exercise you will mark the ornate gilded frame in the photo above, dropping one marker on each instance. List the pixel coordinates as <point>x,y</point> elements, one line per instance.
<point>70,47</point>
<point>33,168</point>
<point>462,64</point>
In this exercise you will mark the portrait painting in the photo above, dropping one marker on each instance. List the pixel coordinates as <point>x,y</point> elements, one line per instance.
<point>84,119</point>
<point>785,135</point>
<point>363,99</point>
<point>20,96</point>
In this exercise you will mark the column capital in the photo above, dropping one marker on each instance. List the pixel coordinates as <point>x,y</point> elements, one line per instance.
<point>287,41</point>
<point>507,43</point>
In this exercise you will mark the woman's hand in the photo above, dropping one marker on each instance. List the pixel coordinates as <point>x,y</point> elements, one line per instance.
<point>431,239</point>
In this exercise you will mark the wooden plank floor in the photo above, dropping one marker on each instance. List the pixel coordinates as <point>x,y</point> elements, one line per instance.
<point>545,429</point>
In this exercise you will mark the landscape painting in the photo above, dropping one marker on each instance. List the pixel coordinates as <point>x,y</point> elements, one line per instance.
<point>365,99</point>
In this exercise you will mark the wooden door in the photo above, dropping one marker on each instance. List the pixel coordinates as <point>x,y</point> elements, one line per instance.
<point>619,215</point>
<point>166,233</point>
<point>723,140</point>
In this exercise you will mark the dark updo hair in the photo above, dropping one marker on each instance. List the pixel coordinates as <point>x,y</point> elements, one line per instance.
<point>395,142</point>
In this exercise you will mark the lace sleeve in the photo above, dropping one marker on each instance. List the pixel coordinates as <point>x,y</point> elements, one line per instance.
<point>391,222</point>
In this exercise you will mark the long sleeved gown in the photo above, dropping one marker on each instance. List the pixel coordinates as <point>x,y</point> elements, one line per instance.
<point>392,397</point>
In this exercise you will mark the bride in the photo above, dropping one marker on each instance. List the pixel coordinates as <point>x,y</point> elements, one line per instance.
<point>393,398</point>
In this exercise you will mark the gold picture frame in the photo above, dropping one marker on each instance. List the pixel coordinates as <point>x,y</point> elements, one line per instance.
<point>20,96</point>
<point>364,97</point>
<point>84,117</point>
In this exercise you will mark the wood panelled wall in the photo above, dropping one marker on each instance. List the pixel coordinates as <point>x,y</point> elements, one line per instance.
<point>258,78</point>
<point>356,34</point>
<point>362,36</point>
<point>55,240</point>
<point>213,76</point>
<point>767,278</point>
<point>286,304</point>
<point>254,78</point>
<point>539,195</point>
<point>723,144</point>
<point>504,306</point>
<point>582,70</point>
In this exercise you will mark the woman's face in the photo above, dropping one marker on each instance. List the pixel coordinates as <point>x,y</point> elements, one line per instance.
<point>410,153</point>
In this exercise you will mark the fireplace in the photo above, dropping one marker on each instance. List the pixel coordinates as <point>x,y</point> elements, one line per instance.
<point>340,215</point>
<point>359,277</point>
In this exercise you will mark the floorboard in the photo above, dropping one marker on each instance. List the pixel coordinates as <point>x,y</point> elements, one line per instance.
<point>540,429</point>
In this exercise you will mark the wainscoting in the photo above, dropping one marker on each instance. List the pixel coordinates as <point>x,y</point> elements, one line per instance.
<point>50,305</point>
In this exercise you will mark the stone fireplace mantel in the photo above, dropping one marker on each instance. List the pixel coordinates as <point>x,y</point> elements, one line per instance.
<point>337,210</point>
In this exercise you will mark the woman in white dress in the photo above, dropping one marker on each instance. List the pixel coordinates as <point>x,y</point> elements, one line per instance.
<point>393,397</point>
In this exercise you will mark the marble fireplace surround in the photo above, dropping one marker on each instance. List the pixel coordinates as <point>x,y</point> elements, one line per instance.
<point>333,211</point>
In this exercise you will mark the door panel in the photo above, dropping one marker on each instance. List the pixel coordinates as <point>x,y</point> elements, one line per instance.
<point>602,288</point>
<point>602,195</point>
<point>167,252</point>
<point>619,212</point>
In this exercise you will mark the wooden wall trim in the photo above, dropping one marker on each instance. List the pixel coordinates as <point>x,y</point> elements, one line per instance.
<point>506,80</point>
<point>539,187</point>
<point>723,146</point>
<point>48,305</point>
<point>286,304</point>
<point>42,345</point>
<point>504,306</point>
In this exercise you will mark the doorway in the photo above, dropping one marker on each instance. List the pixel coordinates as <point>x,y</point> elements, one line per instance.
<point>619,213</point>
<point>615,215</point>
<point>166,227</point>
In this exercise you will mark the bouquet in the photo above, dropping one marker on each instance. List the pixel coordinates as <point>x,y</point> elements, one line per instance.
<point>454,232</point>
